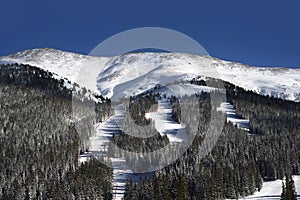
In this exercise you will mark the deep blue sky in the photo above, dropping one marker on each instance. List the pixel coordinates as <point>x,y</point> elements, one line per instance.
<point>256,32</point>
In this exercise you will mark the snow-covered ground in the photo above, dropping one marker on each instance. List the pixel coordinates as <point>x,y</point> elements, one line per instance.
<point>165,124</point>
<point>3,62</point>
<point>181,89</point>
<point>105,130</point>
<point>232,116</point>
<point>99,143</point>
<point>134,73</point>
<point>271,190</point>
<point>122,173</point>
<point>64,64</point>
<point>99,148</point>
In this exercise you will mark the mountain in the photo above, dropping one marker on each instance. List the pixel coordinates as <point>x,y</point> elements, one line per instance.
<point>134,73</point>
<point>65,64</point>
<point>258,142</point>
<point>38,138</point>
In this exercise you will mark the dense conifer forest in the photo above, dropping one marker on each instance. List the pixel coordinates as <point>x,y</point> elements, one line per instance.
<point>240,160</point>
<point>40,142</point>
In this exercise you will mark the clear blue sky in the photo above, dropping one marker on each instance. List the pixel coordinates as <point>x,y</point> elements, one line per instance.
<point>256,32</point>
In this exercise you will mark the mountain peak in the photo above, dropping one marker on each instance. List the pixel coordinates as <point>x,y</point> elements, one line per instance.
<point>42,53</point>
<point>133,73</point>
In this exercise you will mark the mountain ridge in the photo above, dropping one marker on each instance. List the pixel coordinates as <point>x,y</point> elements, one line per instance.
<point>134,73</point>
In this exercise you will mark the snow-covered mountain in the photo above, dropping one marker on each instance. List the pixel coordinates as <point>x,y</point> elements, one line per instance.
<point>136,72</point>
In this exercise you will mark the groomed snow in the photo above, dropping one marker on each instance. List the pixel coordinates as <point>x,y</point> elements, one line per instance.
<point>165,124</point>
<point>99,143</point>
<point>232,116</point>
<point>271,190</point>
<point>99,146</point>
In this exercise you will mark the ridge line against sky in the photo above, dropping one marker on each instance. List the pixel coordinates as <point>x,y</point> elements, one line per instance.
<point>258,33</point>
<point>152,51</point>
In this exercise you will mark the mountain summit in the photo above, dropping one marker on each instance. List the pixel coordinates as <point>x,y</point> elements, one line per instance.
<point>134,73</point>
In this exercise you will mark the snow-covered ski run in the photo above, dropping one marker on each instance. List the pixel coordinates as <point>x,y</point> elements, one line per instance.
<point>105,130</point>
<point>164,124</point>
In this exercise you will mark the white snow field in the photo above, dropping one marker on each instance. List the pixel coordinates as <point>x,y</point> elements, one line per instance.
<point>134,73</point>
<point>231,115</point>
<point>182,89</point>
<point>165,124</point>
<point>2,62</point>
<point>271,190</point>
<point>99,146</point>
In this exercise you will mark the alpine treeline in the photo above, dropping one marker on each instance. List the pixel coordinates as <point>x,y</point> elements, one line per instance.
<point>40,139</point>
<point>45,125</point>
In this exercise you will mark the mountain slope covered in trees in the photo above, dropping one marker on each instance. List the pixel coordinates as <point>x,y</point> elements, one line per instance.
<point>46,122</point>
<point>240,160</point>
<point>39,142</point>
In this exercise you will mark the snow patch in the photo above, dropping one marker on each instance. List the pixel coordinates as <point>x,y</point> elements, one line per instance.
<point>165,124</point>
<point>272,190</point>
<point>232,117</point>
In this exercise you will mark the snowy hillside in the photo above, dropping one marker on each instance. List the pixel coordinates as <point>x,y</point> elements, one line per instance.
<point>272,190</point>
<point>65,64</point>
<point>134,73</point>
<point>130,74</point>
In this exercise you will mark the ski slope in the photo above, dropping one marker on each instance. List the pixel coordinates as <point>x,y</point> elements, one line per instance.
<point>104,131</point>
<point>271,190</point>
<point>232,117</point>
<point>99,148</point>
<point>165,124</point>
<point>131,74</point>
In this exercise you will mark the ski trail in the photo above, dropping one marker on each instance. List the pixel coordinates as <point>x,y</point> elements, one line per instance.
<point>99,147</point>
<point>105,130</point>
<point>122,173</point>
<point>271,190</point>
<point>164,123</point>
<point>231,116</point>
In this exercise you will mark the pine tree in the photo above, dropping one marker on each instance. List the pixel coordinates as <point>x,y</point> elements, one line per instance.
<point>166,195</point>
<point>288,189</point>
<point>156,188</point>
